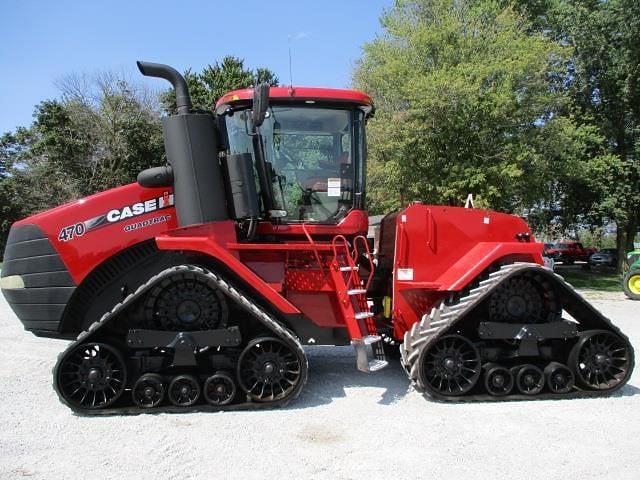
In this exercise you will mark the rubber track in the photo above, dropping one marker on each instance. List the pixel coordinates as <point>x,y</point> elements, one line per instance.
<point>443,318</point>
<point>260,315</point>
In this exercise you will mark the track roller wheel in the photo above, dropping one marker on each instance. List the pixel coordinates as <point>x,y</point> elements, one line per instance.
<point>184,390</point>
<point>219,389</point>
<point>268,370</point>
<point>148,391</point>
<point>601,360</point>
<point>529,379</point>
<point>91,376</point>
<point>449,367</point>
<point>498,380</point>
<point>559,377</point>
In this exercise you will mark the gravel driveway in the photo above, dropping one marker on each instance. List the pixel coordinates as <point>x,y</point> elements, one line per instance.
<point>344,425</point>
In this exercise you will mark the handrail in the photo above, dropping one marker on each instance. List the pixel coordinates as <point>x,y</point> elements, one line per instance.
<point>367,253</point>
<point>313,245</point>
<point>347,254</point>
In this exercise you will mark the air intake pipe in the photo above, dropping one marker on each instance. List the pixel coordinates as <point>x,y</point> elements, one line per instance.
<point>191,143</point>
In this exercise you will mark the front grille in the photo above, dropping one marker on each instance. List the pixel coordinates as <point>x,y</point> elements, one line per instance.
<point>48,286</point>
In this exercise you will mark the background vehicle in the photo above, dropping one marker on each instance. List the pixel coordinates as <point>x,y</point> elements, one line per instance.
<point>631,280</point>
<point>198,287</point>
<point>606,256</point>
<point>570,252</point>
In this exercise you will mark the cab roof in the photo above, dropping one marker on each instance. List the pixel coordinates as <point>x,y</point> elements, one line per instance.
<point>310,94</point>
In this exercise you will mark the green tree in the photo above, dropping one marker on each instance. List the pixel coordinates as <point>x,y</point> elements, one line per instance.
<point>468,101</point>
<point>100,135</point>
<point>215,80</point>
<point>604,83</point>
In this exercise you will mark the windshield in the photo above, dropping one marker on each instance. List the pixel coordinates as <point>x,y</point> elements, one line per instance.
<point>313,156</point>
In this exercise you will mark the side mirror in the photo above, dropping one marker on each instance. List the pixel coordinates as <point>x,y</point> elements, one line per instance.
<point>260,104</point>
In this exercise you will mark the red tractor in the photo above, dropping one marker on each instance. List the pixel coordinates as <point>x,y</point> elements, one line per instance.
<point>199,286</point>
<point>569,252</point>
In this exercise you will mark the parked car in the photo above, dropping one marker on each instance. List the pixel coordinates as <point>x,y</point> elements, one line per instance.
<point>569,252</point>
<point>606,256</point>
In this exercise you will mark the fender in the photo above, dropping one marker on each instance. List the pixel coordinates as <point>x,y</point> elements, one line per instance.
<point>481,257</point>
<point>211,240</point>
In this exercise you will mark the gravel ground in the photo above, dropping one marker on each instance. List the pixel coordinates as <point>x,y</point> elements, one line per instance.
<point>344,425</point>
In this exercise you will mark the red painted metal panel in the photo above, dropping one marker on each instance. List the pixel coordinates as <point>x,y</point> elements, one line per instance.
<point>355,222</point>
<point>299,94</point>
<point>112,221</point>
<point>441,249</point>
<point>210,240</point>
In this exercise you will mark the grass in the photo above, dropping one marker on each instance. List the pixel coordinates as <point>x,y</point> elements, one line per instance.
<point>591,279</point>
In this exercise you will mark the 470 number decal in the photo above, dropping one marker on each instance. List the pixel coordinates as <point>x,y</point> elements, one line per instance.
<point>72,231</point>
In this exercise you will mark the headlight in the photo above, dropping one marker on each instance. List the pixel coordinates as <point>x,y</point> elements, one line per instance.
<point>12,282</point>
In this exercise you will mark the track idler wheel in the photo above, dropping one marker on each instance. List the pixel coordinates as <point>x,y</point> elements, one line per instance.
<point>601,360</point>
<point>91,376</point>
<point>498,380</point>
<point>559,377</point>
<point>449,367</point>
<point>148,391</point>
<point>268,370</point>
<point>184,390</point>
<point>529,379</point>
<point>219,389</point>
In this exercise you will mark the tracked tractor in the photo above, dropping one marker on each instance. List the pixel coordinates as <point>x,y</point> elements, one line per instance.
<point>201,285</point>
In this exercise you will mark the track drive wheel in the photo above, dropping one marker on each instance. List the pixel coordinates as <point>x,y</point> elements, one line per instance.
<point>186,302</point>
<point>219,389</point>
<point>631,284</point>
<point>184,390</point>
<point>449,367</point>
<point>601,360</point>
<point>269,370</point>
<point>148,391</point>
<point>91,376</point>
<point>524,299</point>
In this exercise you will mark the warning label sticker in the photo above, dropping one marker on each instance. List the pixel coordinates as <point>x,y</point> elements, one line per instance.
<point>333,187</point>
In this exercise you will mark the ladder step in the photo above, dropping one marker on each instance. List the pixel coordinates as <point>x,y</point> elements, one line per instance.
<point>375,365</point>
<point>356,291</point>
<point>348,269</point>
<point>369,339</point>
<point>365,356</point>
<point>363,315</point>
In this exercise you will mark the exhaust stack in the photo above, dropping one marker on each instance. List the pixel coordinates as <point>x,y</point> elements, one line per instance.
<point>191,143</point>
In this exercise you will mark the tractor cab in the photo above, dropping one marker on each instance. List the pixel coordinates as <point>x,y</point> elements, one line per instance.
<point>308,152</point>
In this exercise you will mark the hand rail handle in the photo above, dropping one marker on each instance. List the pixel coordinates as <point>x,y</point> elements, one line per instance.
<point>344,243</point>
<point>367,252</point>
<point>313,245</point>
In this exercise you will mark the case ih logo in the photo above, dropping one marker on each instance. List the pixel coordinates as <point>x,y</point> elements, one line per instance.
<point>117,215</point>
<point>140,208</point>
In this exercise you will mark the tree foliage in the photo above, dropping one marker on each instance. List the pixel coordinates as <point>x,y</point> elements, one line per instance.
<point>98,136</point>
<point>604,83</point>
<point>102,131</point>
<point>468,102</point>
<point>532,106</point>
<point>217,79</point>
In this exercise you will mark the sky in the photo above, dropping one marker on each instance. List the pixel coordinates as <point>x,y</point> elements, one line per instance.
<point>42,41</point>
